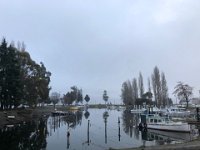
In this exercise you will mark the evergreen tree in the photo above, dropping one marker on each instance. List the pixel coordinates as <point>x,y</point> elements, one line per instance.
<point>79,96</point>
<point>87,98</point>
<point>43,80</point>
<point>68,98</point>
<point>75,95</point>
<point>105,96</point>
<point>3,67</point>
<point>22,80</point>
<point>127,93</point>
<point>13,78</point>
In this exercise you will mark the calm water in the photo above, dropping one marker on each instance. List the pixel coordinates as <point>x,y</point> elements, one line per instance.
<point>95,129</point>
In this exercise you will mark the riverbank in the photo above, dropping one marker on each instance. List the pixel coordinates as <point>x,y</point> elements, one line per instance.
<point>12,117</point>
<point>191,145</point>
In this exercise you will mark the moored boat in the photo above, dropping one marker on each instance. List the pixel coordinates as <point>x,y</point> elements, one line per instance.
<point>141,110</point>
<point>156,122</point>
<point>177,112</point>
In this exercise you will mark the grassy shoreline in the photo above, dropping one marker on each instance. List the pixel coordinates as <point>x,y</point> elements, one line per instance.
<point>23,115</point>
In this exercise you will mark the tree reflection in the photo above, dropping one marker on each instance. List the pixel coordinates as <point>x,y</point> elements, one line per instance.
<point>71,118</point>
<point>86,114</point>
<point>105,116</point>
<point>119,134</point>
<point>26,136</point>
<point>128,122</point>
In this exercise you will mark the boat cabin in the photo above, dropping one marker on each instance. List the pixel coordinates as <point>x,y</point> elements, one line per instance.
<point>153,118</point>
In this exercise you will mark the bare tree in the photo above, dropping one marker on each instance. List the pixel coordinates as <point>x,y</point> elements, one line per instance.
<point>55,96</point>
<point>141,85</point>
<point>183,91</point>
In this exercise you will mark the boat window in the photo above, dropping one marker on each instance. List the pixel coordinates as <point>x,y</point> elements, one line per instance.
<point>151,120</point>
<point>155,120</point>
<point>159,120</point>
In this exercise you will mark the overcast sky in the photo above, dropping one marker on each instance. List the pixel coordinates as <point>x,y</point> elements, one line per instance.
<point>98,44</point>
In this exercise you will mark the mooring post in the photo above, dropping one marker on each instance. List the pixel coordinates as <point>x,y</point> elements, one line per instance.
<point>119,135</point>
<point>105,129</point>
<point>88,133</point>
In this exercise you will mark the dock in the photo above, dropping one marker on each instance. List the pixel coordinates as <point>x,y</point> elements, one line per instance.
<point>194,122</point>
<point>59,113</point>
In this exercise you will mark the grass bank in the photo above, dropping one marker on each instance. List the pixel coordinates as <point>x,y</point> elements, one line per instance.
<point>23,115</point>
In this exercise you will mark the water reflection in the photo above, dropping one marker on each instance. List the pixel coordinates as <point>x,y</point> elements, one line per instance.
<point>106,128</point>
<point>88,133</point>
<point>105,117</point>
<point>87,114</point>
<point>128,122</point>
<point>25,136</point>
<point>119,131</point>
<point>72,119</point>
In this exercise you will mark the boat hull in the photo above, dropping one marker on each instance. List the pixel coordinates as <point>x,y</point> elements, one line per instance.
<point>174,127</point>
<point>174,135</point>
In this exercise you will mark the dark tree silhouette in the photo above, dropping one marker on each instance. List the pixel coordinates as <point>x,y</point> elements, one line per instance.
<point>87,98</point>
<point>105,96</point>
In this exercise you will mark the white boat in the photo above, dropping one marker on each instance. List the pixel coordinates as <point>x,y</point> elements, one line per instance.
<point>156,122</point>
<point>140,110</point>
<point>172,135</point>
<point>177,112</point>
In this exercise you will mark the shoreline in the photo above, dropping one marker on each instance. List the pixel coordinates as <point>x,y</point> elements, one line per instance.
<point>189,145</point>
<point>23,115</point>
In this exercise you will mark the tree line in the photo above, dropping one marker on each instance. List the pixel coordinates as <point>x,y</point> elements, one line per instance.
<point>134,90</point>
<point>75,95</point>
<point>22,80</point>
